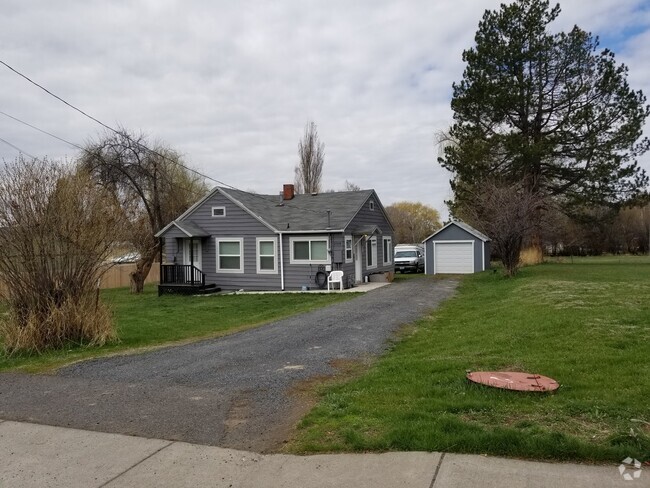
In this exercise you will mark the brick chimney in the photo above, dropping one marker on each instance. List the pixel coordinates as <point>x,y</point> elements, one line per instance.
<point>288,191</point>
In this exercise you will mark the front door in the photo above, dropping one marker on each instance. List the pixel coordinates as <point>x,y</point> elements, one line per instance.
<point>196,254</point>
<point>358,259</point>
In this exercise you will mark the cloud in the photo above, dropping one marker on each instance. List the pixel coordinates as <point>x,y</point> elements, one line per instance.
<point>232,84</point>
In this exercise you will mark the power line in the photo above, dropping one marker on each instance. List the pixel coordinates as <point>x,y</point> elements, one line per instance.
<point>126,136</point>
<point>120,133</point>
<point>90,153</point>
<point>43,131</point>
<point>16,148</point>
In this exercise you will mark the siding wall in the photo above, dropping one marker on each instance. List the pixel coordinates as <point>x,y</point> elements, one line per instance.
<point>173,248</point>
<point>487,254</point>
<point>455,233</point>
<point>298,275</point>
<point>236,223</point>
<point>367,218</point>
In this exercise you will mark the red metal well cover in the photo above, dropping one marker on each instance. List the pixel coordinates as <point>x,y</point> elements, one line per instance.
<point>510,380</point>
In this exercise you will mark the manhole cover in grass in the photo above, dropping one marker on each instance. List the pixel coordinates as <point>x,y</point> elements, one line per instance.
<point>510,380</point>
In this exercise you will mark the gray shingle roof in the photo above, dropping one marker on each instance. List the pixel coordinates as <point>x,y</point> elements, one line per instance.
<point>464,226</point>
<point>304,212</point>
<point>191,229</point>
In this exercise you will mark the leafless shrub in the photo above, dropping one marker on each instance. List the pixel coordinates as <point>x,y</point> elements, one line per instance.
<point>508,213</point>
<point>56,230</point>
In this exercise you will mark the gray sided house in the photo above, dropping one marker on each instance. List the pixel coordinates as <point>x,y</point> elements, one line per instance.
<point>457,248</point>
<point>236,240</point>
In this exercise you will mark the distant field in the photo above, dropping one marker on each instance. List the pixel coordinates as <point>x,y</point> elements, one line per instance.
<point>586,324</point>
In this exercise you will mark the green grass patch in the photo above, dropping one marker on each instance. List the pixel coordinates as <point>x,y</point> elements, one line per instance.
<point>146,320</point>
<point>584,324</point>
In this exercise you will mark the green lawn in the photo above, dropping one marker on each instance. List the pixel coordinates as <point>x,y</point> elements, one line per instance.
<point>585,324</point>
<point>148,320</point>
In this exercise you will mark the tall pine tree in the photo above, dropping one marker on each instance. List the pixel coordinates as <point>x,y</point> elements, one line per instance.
<point>546,108</point>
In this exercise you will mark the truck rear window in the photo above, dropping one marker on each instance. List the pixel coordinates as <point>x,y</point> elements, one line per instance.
<point>406,254</point>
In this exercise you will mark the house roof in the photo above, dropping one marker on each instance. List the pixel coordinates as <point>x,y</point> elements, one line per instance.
<point>465,227</point>
<point>366,231</point>
<point>304,212</point>
<point>190,229</point>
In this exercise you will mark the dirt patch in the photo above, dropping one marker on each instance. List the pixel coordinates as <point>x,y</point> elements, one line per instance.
<point>251,430</point>
<point>248,429</point>
<point>305,394</point>
<point>238,414</point>
<point>345,369</point>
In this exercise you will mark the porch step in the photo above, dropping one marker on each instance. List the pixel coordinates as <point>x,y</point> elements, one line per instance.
<point>207,289</point>
<point>188,289</point>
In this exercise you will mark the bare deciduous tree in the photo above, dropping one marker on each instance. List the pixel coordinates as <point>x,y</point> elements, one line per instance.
<point>56,230</point>
<point>508,213</point>
<point>311,152</point>
<point>152,187</point>
<point>349,186</point>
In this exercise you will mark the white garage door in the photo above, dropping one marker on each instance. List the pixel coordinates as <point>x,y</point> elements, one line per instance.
<point>454,257</point>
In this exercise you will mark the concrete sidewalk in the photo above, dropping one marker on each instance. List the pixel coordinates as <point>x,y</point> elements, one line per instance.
<point>34,455</point>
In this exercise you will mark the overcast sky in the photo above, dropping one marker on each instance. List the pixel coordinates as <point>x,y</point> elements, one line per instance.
<point>231,84</point>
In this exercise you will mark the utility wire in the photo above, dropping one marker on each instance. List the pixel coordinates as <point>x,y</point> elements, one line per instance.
<point>126,136</point>
<point>108,127</point>
<point>17,148</point>
<point>81,148</point>
<point>44,131</point>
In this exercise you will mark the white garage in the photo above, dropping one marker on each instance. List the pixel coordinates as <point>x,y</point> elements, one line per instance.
<point>457,248</point>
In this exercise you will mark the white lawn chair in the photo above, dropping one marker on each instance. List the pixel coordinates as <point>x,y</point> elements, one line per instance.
<point>335,277</point>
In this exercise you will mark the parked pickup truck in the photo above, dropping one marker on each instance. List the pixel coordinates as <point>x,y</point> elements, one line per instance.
<point>409,258</point>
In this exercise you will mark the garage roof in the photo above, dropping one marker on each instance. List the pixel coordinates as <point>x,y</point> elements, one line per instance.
<point>465,227</point>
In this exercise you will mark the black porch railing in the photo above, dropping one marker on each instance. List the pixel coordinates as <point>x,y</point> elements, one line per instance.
<point>181,274</point>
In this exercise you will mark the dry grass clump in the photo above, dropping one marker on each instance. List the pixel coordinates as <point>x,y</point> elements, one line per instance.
<point>531,255</point>
<point>74,321</point>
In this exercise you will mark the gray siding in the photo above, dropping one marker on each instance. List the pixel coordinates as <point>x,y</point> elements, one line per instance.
<point>298,275</point>
<point>237,223</point>
<point>488,254</point>
<point>367,218</point>
<point>428,256</point>
<point>174,251</point>
<point>455,233</point>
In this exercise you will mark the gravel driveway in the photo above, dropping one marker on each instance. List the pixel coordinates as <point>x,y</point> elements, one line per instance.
<point>236,391</point>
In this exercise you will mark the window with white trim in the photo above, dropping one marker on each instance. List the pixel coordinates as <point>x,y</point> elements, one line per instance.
<point>218,211</point>
<point>312,250</point>
<point>387,245</point>
<point>371,253</point>
<point>266,256</point>
<point>348,249</point>
<point>371,205</point>
<point>230,255</point>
